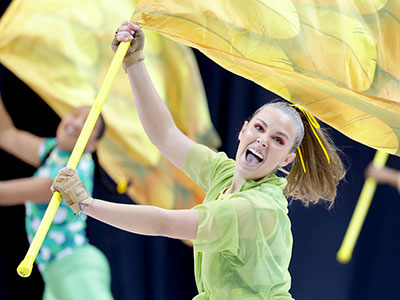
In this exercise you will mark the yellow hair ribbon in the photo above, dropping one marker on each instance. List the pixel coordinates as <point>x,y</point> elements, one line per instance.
<point>301,159</point>
<point>313,124</point>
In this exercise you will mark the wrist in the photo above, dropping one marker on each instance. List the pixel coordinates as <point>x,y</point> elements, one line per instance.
<point>132,59</point>
<point>83,206</point>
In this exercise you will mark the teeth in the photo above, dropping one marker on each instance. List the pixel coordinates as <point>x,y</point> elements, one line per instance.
<point>256,153</point>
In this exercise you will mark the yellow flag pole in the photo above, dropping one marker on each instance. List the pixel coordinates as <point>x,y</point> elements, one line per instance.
<point>25,267</point>
<point>346,250</point>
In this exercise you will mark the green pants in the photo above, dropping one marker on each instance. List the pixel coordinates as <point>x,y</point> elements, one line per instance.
<point>83,275</point>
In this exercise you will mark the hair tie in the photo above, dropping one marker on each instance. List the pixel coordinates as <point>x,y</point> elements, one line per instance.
<point>313,124</point>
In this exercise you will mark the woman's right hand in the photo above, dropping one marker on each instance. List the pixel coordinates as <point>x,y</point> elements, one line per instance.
<point>130,32</point>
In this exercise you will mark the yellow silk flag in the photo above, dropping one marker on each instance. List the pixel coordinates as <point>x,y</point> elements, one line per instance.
<point>339,59</point>
<point>62,50</point>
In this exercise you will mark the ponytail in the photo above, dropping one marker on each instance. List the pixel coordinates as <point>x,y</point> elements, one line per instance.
<point>321,177</point>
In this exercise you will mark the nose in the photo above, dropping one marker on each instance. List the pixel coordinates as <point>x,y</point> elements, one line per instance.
<point>261,142</point>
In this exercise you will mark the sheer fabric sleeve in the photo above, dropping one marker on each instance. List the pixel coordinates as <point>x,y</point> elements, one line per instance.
<point>218,227</point>
<point>198,165</point>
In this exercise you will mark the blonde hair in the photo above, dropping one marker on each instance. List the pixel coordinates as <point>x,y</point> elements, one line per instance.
<point>321,177</point>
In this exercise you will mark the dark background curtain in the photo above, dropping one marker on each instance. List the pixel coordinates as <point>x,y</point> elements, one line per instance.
<point>155,268</point>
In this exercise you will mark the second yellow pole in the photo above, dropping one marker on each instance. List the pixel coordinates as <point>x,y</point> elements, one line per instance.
<point>364,201</point>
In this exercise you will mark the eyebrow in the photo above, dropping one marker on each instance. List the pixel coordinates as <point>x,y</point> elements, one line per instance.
<point>279,132</point>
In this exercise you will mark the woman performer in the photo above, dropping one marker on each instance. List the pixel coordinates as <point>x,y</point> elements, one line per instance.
<point>241,232</point>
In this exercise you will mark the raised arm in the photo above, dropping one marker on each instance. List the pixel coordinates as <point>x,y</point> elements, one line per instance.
<point>22,144</point>
<point>154,115</point>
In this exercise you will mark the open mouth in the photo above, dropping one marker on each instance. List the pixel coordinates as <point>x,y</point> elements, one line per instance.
<point>253,157</point>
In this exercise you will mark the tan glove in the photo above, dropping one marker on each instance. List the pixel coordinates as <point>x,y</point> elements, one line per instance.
<point>71,189</point>
<point>135,50</point>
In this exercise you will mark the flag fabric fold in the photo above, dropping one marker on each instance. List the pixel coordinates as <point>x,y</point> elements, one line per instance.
<point>339,59</point>
<point>62,50</point>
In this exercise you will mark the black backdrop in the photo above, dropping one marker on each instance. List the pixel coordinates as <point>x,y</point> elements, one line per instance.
<point>147,268</point>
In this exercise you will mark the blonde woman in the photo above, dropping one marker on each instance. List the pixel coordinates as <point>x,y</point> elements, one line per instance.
<point>241,232</point>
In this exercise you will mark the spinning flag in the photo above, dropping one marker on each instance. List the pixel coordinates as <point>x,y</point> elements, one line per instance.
<point>62,50</point>
<point>339,59</point>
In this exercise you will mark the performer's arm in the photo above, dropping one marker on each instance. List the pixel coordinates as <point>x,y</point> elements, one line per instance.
<point>383,175</point>
<point>22,144</point>
<point>147,220</point>
<point>142,219</point>
<point>154,114</point>
<point>17,191</point>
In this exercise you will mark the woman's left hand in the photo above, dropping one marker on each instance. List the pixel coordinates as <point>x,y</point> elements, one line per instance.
<point>74,193</point>
<point>130,32</point>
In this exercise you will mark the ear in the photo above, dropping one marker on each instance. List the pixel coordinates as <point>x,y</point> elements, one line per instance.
<point>243,129</point>
<point>289,158</point>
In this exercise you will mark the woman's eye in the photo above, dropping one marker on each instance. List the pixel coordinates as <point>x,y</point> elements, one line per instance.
<point>258,127</point>
<point>279,140</point>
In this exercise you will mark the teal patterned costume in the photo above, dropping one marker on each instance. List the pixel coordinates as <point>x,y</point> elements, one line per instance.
<point>70,266</point>
<point>67,232</point>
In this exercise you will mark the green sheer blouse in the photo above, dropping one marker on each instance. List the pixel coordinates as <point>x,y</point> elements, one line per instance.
<point>243,245</point>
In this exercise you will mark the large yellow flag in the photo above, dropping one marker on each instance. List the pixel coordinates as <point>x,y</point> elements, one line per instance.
<point>340,59</point>
<point>62,50</point>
